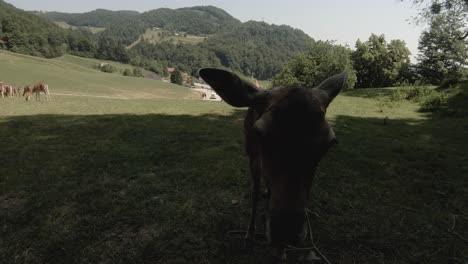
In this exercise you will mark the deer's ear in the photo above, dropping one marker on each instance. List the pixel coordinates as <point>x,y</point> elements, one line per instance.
<point>332,86</point>
<point>230,87</point>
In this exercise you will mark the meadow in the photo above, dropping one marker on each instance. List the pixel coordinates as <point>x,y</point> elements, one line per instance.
<point>157,35</point>
<point>76,76</point>
<point>65,25</point>
<point>162,178</point>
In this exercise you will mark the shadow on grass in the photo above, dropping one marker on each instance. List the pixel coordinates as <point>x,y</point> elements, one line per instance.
<point>456,102</point>
<point>390,191</point>
<point>159,189</point>
<point>370,93</point>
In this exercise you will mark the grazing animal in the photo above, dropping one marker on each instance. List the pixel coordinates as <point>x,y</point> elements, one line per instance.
<point>17,91</point>
<point>41,87</point>
<point>286,135</point>
<point>2,89</point>
<point>28,91</point>
<point>7,90</point>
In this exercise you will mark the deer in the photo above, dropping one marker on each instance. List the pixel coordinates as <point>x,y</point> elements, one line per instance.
<point>41,87</point>
<point>28,91</point>
<point>17,91</point>
<point>286,135</point>
<point>7,90</point>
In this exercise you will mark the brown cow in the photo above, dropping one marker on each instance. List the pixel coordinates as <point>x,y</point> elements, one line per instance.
<point>28,91</point>
<point>286,135</point>
<point>41,87</point>
<point>7,90</point>
<point>16,91</point>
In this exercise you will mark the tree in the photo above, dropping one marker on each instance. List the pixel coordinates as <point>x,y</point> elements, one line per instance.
<point>108,68</point>
<point>321,60</point>
<point>27,33</point>
<point>176,77</point>
<point>127,72</point>
<point>443,57</point>
<point>380,64</point>
<point>400,69</point>
<point>109,49</point>
<point>456,9</point>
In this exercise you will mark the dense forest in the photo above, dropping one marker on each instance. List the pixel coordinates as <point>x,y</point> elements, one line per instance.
<point>25,33</point>
<point>193,20</point>
<point>252,48</point>
<point>98,18</point>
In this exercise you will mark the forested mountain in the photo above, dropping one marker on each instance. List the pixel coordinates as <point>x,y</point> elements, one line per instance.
<point>198,20</point>
<point>250,48</point>
<point>123,26</point>
<point>97,18</point>
<point>24,32</point>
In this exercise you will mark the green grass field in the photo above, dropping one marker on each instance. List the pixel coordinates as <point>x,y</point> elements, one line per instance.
<point>73,75</point>
<point>102,180</point>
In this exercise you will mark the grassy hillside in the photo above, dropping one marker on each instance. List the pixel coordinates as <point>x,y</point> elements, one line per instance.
<point>154,36</point>
<point>77,76</point>
<point>98,180</point>
<point>94,30</point>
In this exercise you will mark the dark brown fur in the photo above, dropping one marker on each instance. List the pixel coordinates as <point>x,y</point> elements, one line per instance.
<point>286,135</point>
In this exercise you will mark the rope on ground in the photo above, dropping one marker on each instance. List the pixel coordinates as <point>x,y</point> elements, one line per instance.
<point>311,237</point>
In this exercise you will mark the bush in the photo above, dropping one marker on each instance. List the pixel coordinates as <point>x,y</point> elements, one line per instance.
<point>176,77</point>
<point>413,94</point>
<point>107,68</point>
<point>127,72</point>
<point>435,102</point>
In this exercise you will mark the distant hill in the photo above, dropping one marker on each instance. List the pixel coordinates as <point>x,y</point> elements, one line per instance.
<point>196,20</point>
<point>257,48</point>
<point>186,38</point>
<point>193,37</point>
<point>100,18</point>
<point>193,20</point>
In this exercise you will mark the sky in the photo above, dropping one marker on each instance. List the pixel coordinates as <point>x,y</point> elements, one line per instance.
<point>343,21</point>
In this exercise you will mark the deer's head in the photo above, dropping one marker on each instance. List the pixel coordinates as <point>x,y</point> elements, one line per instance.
<point>290,135</point>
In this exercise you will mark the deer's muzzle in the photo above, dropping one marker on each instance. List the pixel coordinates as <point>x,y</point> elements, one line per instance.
<point>286,227</point>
